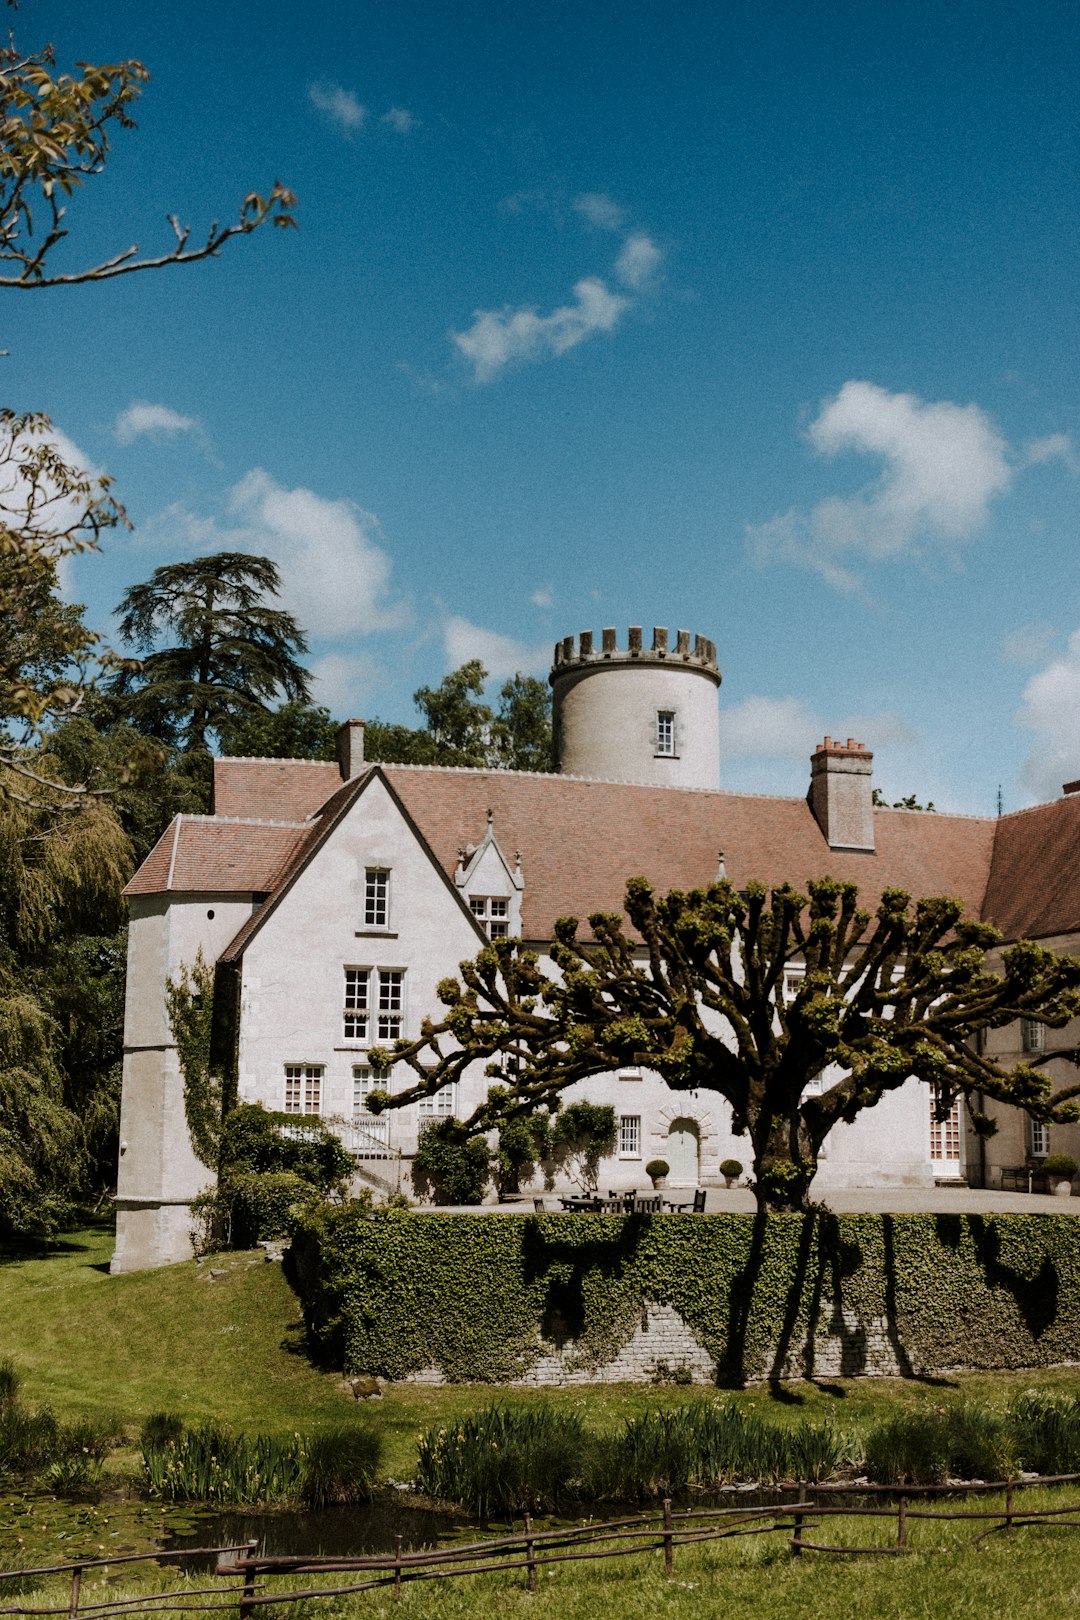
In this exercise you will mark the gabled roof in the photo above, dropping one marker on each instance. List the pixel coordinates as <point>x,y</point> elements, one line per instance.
<point>212,855</point>
<point>316,832</point>
<point>580,840</point>
<point>1034,886</point>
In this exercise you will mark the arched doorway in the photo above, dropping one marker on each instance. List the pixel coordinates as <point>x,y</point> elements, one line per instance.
<point>683,1152</point>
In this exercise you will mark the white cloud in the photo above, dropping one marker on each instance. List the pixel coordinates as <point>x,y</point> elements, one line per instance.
<point>400,120</point>
<point>1052,447</point>
<point>500,655</point>
<point>498,337</point>
<point>1030,643</point>
<point>1051,709</point>
<point>335,577</point>
<point>784,728</point>
<point>600,210</point>
<point>638,261</point>
<point>342,682</point>
<point>543,598</point>
<point>341,106</point>
<point>157,420</point>
<point>943,465</point>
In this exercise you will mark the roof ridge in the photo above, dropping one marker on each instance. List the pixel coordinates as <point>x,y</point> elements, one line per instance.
<point>273,759</point>
<point>1029,809</point>
<point>243,821</point>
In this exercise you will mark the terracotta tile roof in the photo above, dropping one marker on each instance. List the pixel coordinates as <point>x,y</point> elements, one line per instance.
<point>1034,886</point>
<point>273,789</point>
<point>580,840</point>
<point>208,855</point>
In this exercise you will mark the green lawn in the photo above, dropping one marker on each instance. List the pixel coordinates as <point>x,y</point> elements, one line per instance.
<point>944,1577</point>
<point>232,1348</point>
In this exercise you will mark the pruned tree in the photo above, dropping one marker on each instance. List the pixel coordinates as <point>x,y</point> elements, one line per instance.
<point>231,653</point>
<point>799,1010</point>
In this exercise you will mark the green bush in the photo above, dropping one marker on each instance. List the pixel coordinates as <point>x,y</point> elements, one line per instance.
<point>657,1168</point>
<point>1061,1165</point>
<point>447,1168</point>
<point>730,1169</point>
<point>255,1139</point>
<point>913,1448</point>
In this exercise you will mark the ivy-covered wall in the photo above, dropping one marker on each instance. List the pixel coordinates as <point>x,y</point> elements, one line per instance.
<point>486,1297</point>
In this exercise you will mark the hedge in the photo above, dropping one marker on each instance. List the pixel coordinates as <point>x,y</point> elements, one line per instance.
<point>482,1297</point>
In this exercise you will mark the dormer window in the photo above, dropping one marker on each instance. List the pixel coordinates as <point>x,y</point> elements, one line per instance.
<point>665,731</point>
<point>492,913</point>
<point>376,897</point>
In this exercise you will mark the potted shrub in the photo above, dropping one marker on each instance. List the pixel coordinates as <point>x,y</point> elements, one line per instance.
<point>657,1172</point>
<point>1060,1169</point>
<point>731,1170</point>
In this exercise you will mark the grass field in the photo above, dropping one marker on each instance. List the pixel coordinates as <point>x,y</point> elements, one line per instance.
<point>944,1577</point>
<point>231,1348</point>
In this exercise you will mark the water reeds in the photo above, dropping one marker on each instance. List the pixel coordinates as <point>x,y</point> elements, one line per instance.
<point>1047,1429</point>
<point>33,1444</point>
<point>209,1463</point>
<point>961,1441</point>
<point>501,1462</point>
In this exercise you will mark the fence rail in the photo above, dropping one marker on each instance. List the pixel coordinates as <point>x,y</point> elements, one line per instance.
<point>531,1550</point>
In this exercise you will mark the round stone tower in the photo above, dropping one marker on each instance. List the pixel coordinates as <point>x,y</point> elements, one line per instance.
<point>639,715</point>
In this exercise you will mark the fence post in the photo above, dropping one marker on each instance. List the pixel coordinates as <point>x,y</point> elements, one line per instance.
<point>530,1553</point>
<point>669,1540</point>
<point>247,1591</point>
<point>1009,1488</point>
<point>397,1569</point>
<point>796,1534</point>
<point>76,1587</point>
<point>901,1520</point>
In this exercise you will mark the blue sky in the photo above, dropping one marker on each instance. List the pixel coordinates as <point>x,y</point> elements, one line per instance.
<point>758,321</point>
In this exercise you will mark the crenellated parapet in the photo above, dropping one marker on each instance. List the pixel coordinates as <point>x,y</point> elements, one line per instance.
<point>637,713</point>
<point>575,653</point>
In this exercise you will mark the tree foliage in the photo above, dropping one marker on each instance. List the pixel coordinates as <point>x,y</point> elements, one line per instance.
<point>700,989</point>
<point>462,729</point>
<point>55,133</point>
<point>231,654</point>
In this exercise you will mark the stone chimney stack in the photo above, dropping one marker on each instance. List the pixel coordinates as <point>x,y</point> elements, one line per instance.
<point>842,794</point>
<point>350,749</point>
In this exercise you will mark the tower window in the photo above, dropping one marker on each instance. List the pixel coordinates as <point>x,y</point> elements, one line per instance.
<point>665,731</point>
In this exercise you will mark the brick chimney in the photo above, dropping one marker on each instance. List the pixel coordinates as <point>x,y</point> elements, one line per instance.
<point>842,795</point>
<point>350,749</point>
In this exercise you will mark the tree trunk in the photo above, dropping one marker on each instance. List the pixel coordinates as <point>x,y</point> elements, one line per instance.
<point>785,1163</point>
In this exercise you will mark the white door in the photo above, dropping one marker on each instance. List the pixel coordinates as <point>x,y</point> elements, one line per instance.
<point>945,1140</point>
<point>682,1152</point>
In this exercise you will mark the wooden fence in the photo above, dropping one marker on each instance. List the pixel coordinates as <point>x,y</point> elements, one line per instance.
<point>530,1550</point>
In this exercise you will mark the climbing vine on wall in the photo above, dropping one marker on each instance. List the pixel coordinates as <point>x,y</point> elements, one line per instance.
<point>483,1297</point>
<point>190,1003</point>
